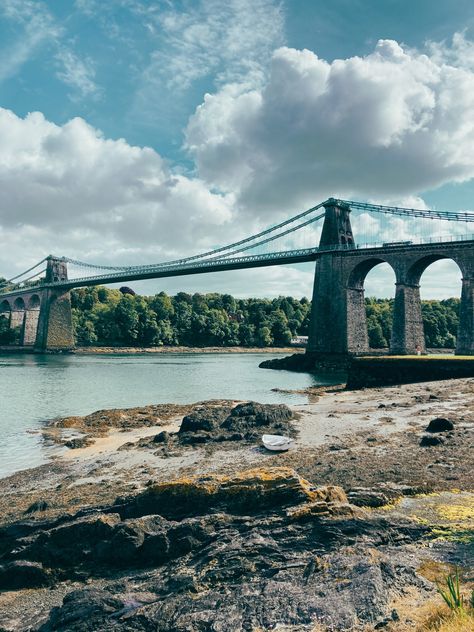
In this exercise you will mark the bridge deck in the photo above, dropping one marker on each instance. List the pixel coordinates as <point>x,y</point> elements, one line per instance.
<point>245,262</point>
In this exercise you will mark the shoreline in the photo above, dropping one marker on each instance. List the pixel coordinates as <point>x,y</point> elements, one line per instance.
<point>5,350</point>
<point>183,349</point>
<point>418,517</point>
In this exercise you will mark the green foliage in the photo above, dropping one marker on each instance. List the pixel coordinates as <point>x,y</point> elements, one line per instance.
<point>8,336</point>
<point>452,595</point>
<point>108,317</point>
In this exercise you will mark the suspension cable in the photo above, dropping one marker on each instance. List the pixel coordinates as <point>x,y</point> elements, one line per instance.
<point>459,216</point>
<point>203,254</point>
<point>25,272</point>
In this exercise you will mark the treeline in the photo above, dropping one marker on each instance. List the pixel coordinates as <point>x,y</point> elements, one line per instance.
<point>109,317</point>
<point>440,322</point>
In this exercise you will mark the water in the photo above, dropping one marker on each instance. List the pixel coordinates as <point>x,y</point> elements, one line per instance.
<point>36,388</point>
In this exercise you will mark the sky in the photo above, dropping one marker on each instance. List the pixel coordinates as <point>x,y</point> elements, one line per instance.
<point>135,131</point>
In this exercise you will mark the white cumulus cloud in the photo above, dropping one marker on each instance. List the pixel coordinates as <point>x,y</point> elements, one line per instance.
<point>392,124</point>
<point>68,190</point>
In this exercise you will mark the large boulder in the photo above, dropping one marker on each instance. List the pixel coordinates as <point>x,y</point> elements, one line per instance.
<point>23,574</point>
<point>205,418</point>
<point>251,491</point>
<point>440,424</point>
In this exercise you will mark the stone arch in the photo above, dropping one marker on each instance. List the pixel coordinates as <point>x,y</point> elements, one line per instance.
<point>34,302</point>
<point>5,306</point>
<point>414,278</point>
<point>357,333</point>
<point>361,270</point>
<point>416,270</point>
<point>19,304</point>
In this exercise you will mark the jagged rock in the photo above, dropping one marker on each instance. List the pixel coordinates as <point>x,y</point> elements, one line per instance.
<point>251,415</point>
<point>249,551</point>
<point>78,442</point>
<point>23,574</point>
<point>440,424</point>
<point>39,505</point>
<point>251,491</point>
<point>363,497</point>
<point>162,437</point>
<point>430,440</point>
<point>80,608</point>
<point>205,418</point>
<point>245,421</point>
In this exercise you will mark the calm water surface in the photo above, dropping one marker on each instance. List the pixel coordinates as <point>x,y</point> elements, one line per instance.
<point>35,388</point>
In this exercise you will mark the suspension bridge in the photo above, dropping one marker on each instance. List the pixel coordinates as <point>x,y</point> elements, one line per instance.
<point>408,239</point>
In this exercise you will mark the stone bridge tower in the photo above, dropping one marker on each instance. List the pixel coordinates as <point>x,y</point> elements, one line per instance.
<point>328,323</point>
<point>338,324</point>
<point>55,330</point>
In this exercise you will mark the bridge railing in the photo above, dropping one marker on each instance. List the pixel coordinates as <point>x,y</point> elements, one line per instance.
<point>301,253</point>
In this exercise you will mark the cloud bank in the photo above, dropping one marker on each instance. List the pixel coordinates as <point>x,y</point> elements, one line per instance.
<point>386,126</point>
<point>394,123</point>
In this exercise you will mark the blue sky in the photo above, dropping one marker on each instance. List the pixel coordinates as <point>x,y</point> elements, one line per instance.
<point>140,71</point>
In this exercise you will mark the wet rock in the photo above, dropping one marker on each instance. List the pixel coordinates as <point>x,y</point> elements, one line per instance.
<point>23,574</point>
<point>39,505</point>
<point>251,415</point>
<point>363,497</point>
<point>78,442</point>
<point>251,491</point>
<point>430,440</point>
<point>440,424</point>
<point>244,422</point>
<point>205,418</point>
<point>80,608</point>
<point>162,437</point>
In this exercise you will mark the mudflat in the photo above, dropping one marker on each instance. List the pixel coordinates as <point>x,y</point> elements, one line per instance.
<point>176,518</point>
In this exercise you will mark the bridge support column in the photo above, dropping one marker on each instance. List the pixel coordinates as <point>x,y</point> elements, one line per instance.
<point>30,327</point>
<point>357,334</point>
<point>408,334</point>
<point>54,331</point>
<point>328,323</point>
<point>17,320</point>
<point>465,339</point>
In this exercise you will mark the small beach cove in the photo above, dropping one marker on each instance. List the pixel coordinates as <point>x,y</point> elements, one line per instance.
<point>37,388</point>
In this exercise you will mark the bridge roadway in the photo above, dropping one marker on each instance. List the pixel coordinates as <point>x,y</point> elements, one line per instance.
<point>337,325</point>
<point>249,261</point>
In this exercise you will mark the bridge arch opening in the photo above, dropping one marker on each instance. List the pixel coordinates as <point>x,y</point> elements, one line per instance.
<point>19,304</point>
<point>371,288</point>
<point>5,307</point>
<point>34,302</point>
<point>440,281</point>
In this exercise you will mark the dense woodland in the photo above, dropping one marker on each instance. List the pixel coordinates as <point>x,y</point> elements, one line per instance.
<point>110,317</point>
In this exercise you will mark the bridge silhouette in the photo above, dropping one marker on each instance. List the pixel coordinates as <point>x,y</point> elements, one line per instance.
<point>39,304</point>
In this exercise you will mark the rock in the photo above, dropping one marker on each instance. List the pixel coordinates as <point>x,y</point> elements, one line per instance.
<point>39,505</point>
<point>78,442</point>
<point>205,418</point>
<point>23,574</point>
<point>440,424</point>
<point>81,606</point>
<point>162,437</point>
<point>244,422</point>
<point>251,491</point>
<point>430,440</point>
<point>363,497</point>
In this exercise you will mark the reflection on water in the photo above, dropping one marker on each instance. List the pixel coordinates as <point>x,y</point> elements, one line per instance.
<point>35,388</point>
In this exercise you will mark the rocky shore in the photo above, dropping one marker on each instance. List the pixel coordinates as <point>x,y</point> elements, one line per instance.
<point>175,518</point>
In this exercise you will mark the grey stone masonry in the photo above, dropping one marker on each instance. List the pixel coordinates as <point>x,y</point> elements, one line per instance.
<point>338,322</point>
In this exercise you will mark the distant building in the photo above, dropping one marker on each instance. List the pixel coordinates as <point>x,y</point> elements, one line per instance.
<point>299,341</point>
